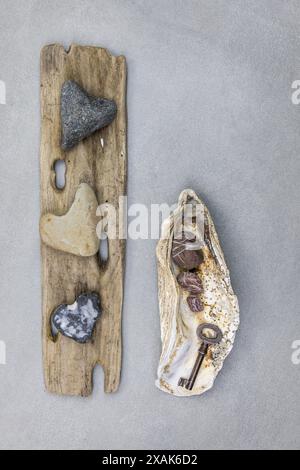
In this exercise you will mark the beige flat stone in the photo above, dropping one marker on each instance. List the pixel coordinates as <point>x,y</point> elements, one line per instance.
<point>74,232</point>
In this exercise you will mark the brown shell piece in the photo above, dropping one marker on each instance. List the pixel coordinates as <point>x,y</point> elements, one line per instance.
<point>195,303</point>
<point>185,257</point>
<point>190,281</point>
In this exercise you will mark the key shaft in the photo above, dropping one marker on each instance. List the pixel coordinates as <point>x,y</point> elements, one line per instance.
<point>202,351</point>
<point>190,382</point>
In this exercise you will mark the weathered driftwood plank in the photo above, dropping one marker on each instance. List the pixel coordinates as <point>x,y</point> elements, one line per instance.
<point>68,366</point>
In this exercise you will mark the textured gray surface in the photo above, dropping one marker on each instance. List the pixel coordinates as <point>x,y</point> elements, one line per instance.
<point>81,114</point>
<point>209,106</point>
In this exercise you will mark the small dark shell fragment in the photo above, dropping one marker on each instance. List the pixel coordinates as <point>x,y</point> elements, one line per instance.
<point>190,281</point>
<point>195,304</point>
<point>184,256</point>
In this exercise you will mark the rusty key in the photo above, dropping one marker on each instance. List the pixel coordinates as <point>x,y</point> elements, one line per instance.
<point>206,342</point>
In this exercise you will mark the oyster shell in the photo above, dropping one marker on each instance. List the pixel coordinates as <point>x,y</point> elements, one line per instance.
<point>180,343</point>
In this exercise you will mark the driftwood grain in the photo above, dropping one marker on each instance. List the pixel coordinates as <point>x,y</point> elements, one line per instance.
<point>68,366</point>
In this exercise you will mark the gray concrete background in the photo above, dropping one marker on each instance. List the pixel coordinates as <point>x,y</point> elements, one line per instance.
<point>209,107</point>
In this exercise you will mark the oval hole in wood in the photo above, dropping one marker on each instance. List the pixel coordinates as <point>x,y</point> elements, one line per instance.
<point>60,174</point>
<point>103,249</point>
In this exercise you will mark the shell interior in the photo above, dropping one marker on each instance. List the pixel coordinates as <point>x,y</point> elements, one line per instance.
<point>180,343</point>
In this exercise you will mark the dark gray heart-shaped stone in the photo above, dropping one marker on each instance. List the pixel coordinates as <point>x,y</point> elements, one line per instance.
<point>82,114</point>
<point>77,321</point>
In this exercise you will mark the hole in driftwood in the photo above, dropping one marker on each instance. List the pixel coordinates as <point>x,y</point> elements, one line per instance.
<point>98,376</point>
<point>60,174</point>
<point>103,249</point>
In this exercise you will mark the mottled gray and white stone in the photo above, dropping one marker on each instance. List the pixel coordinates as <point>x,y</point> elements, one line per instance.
<point>77,321</point>
<point>82,114</point>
